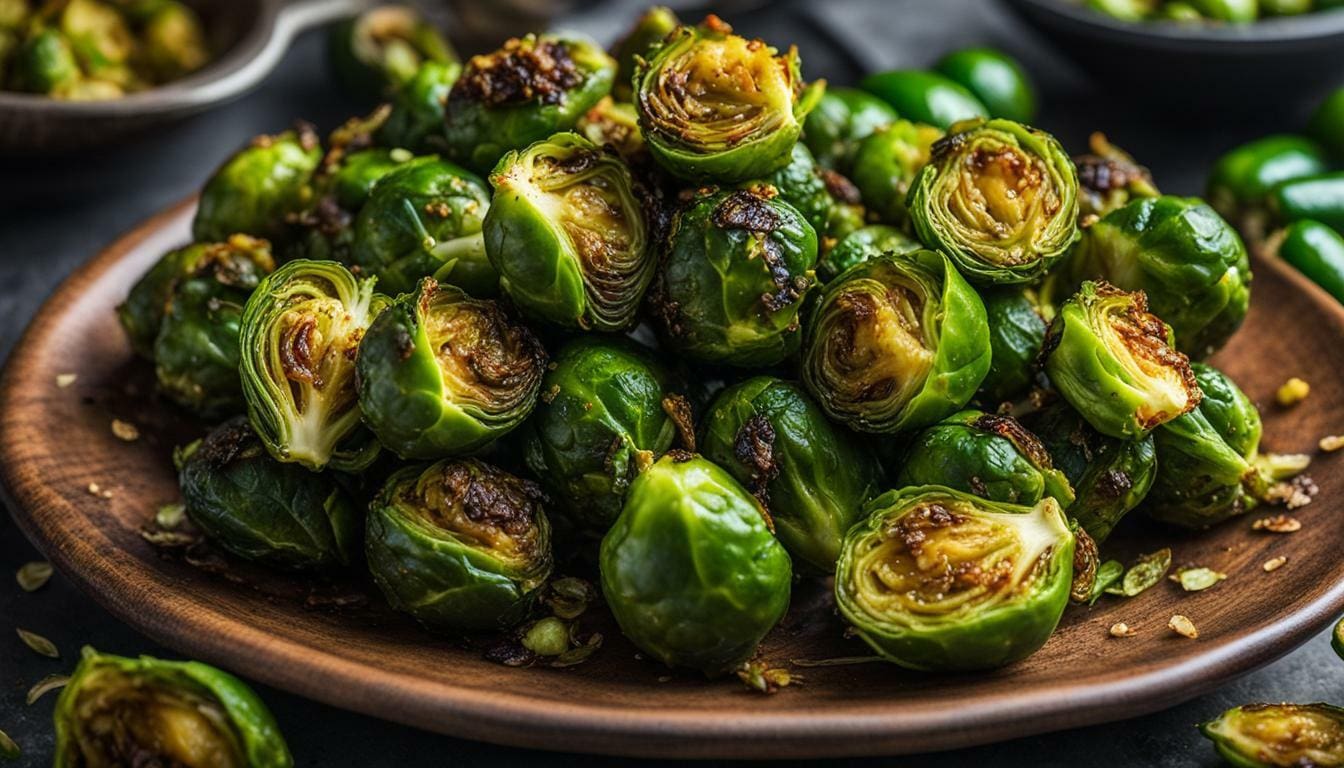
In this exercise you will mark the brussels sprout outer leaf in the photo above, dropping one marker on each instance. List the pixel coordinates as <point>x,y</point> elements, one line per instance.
<point>1016,336</point>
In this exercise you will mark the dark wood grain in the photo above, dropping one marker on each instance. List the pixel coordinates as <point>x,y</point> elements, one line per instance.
<point>283,630</point>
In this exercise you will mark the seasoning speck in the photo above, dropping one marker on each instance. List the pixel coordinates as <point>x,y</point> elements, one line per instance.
<point>31,576</point>
<point>64,380</point>
<point>1331,443</point>
<point>38,643</point>
<point>1277,524</point>
<point>1292,392</point>
<point>1121,629</point>
<point>125,430</point>
<point>1274,563</point>
<point>1183,626</point>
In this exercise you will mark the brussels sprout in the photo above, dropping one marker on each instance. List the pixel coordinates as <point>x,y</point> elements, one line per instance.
<point>718,107</point>
<point>995,78</point>
<point>567,234</point>
<point>1319,198</point>
<point>647,32</point>
<point>1237,11</point>
<point>690,569</point>
<point>737,268</point>
<point>416,120</point>
<point>600,421</point>
<point>260,509</point>
<point>1317,251</point>
<point>1327,124</point>
<point>383,48</point>
<point>1016,336</point>
<point>886,164</point>
<point>44,63</point>
<point>1108,177</point>
<point>991,456</point>
<point>1278,735</point>
<point>936,579</point>
<point>924,97</point>
<point>459,544</point>
<point>1180,12</point>
<point>1285,7</point>
<point>118,711</point>
<point>1001,199</point>
<point>1109,477</point>
<point>812,476</point>
<point>842,118</point>
<point>819,194</point>
<point>258,187</point>
<point>424,220</point>
<point>861,245</point>
<point>896,343</point>
<point>98,33</point>
<point>174,41</point>
<point>527,90</point>
<point>1242,178</point>
<point>443,374</point>
<point>615,124</point>
<point>300,332</point>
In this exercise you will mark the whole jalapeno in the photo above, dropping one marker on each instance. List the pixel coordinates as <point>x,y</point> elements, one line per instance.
<point>924,97</point>
<point>995,79</point>
<point>1318,252</point>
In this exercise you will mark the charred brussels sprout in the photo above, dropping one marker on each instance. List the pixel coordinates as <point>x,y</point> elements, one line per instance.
<point>811,475</point>
<point>1016,336</point>
<point>936,579</point>
<point>861,245</point>
<point>1108,177</point>
<point>117,711</point>
<point>443,374</point>
<point>718,107</point>
<point>925,97</point>
<point>829,201</point>
<point>896,343</point>
<point>261,509</point>
<point>527,90</point>
<point>842,118</point>
<point>991,456</point>
<point>1112,360</point>
<point>416,119</point>
<point>259,187</point>
<point>1278,735</point>
<point>384,47</point>
<point>690,569</point>
<point>647,32</point>
<point>730,286</point>
<point>459,544</point>
<point>567,234</point>
<point>299,336</point>
<point>998,197</point>
<point>886,164</point>
<point>995,79</point>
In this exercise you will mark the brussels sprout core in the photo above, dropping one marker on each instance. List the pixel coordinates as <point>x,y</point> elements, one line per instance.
<point>1267,735</point>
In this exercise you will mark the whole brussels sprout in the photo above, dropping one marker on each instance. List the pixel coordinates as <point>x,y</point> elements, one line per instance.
<point>1109,477</point>
<point>424,219</point>
<point>527,90</point>
<point>647,32</point>
<point>299,335</point>
<point>381,49</point>
<point>811,475</point>
<point>416,119</point>
<point>842,118</point>
<point>820,194</point>
<point>1275,735</point>
<point>119,711</point>
<point>729,288</point>
<point>895,343</point>
<point>1000,198</point>
<point>720,108</point>
<point>925,97</point>
<point>1016,336</point>
<point>991,456</point>
<point>1108,177</point>
<point>600,421</point>
<point>936,579</point>
<point>690,569</point>
<point>861,245</point>
<point>173,41</point>
<point>1112,360</point>
<point>442,374</point>
<point>261,509</point>
<point>340,188</point>
<point>995,78</point>
<point>45,63</point>
<point>459,544</point>
<point>567,234</point>
<point>256,189</point>
<point>886,163</point>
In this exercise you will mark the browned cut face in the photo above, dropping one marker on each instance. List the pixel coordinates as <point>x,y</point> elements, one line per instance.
<point>1012,430</point>
<point>524,70</point>
<point>1143,337</point>
<point>480,504</point>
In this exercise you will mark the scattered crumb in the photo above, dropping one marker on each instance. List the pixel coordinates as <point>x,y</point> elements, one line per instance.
<point>64,380</point>
<point>125,430</point>
<point>665,679</point>
<point>1277,524</point>
<point>1331,443</point>
<point>1121,629</point>
<point>1292,392</point>
<point>1183,626</point>
<point>1274,563</point>
<point>94,490</point>
<point>760,676</point>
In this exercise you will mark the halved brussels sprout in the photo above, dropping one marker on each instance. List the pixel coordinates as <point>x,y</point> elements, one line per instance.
<point>416,119</point>
<point>718,107</point>
<point>829,201</point>
<point>1112,360</point>
<point>173,41</point>
<point>384,47</point>
<point>1108,177</point>
<point>861,245</point>
<point>989,455</point>
<point>527,90</point>
<point>1016,336</point>
<point>936,579</point>
<point>842,118</point>
<point>256,189</point>
<point>443,374</point>
<point>1278,735</point>
<point>735,273</point>
<point>896,343</point>
<point>300,332</point>
<point>811,475</point>
<point>690,569</point>
<point>647,32</point>
<point>117,711</point>
<point>566,231</point>
<point>886,164</point>
<point>601,420</point>
<point>459,544</point>
<point>1000,198</point>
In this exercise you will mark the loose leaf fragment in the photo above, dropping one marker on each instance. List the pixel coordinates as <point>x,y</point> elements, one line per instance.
<point>48,683</point>
<point>64,380</point>
<point>169,516</point>
<point>582,650</point>
<point>125,431</point>
<point>8,749</point>
<point>1143,573</point>
<point>1121,629</point>
<point>1183,626</point>
<point>1331,443</point>
<point>1198,579</point>
<point>38,643</point>
<point>32,576</point>
<point>760,676</point>
<point>1274,563</point>
<point>1108,574</point>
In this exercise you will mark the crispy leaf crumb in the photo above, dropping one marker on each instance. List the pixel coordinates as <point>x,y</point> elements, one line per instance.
<point>1277,524</point>
<point>1121,629</point>
<point>1274,563</point>
<point>32,576</point>
<point>1183,626</point>
<point>1292,392</point>
<point>125,430</point>
<point>38,644</point>
<point>64,380</point>
<point>760,676</point>
<point>1331,443</point>
<point>46,684</point>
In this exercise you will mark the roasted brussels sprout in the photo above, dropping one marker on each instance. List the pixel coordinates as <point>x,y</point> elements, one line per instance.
<point>1108,177</point>
<point>936,579</point>
<point>299,335</point>
<point>615,124</point>
<point>1001,199</point>
<point>459,544</point>
<point>1278,735</point>
<point>1318,198</point>
<point>718,107</point>
<point>735,273</point>
<point>261,509</point>
<point>381,49</point>
<point>45,63</point>
<point>567,234</point>
<point>416,119</point>
<point>1109,477</point>
<point>829,201</point>
<point>842,118</point>
<point>256,189</point>
<point>811,475</point>
<point>896,343</point>
<point>646,33</point>
<point>994,78</point>
<point>173,42</point>
<point>1327,124</point>
<point>925,97</point>
<point>527,90</point>
<point>1242,178</point>
<point>690,569</point>
<point>1112,360</point>
<point>442,374</point>
<point>1016,336</point>
<point>1317,251</point>
<point>886,164</point>
<point>117,711</point>
<point>861,245</point>
<point>424,219</point>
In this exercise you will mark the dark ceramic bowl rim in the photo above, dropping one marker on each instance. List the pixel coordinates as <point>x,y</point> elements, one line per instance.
<point>1283,31</point>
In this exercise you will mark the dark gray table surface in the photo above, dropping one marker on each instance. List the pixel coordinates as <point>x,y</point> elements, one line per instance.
<point>55,213</point>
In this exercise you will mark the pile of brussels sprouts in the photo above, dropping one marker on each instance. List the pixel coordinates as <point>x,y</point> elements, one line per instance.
<point>680,312</point>
<point>1208,11</point>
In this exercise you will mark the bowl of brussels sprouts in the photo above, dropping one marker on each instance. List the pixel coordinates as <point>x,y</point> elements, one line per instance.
<point>576,404</point>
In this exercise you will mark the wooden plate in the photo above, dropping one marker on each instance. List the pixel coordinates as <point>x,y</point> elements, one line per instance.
<point>336,643</point>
